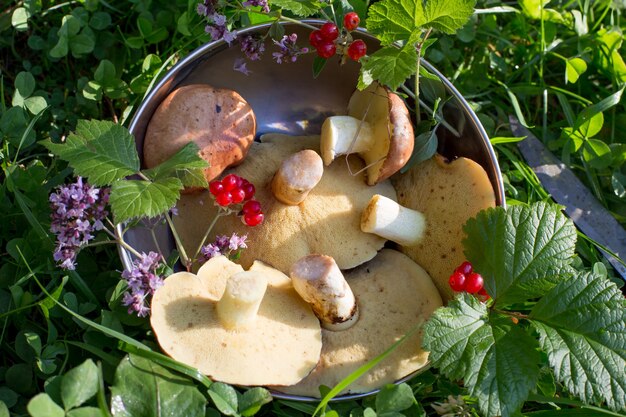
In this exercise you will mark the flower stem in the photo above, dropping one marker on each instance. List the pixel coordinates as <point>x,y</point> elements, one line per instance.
<point>419,46</point>
<point>221,212</point>
<point>297,22</point>
<point>179,244</point>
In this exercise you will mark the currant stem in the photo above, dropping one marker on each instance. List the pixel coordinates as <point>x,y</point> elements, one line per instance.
<point>288,19</point>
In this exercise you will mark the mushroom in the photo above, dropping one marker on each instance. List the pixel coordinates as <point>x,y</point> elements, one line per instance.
<point>448,194</point>
<point>327,221</point>
<point>378,128</point>
<point>390,220</point>
<point>319,281</point>
<point>210,321</point>
<point>393,294</point>
<point>297,175</point>
<point>219,121</point>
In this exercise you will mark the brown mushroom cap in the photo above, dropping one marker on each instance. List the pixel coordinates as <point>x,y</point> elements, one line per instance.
<point>219,121</point>
<point>448,194</point>
<point>393,294</point>
<point>389,118</point>
<point>281,347</point>
<point>327,221</point>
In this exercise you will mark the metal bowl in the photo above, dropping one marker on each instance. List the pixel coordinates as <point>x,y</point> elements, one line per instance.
<point>287,99</point>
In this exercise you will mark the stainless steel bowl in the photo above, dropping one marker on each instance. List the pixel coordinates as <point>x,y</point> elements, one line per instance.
<point>287,99</point>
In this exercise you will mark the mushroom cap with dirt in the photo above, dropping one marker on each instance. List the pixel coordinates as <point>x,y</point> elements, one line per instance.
<point>327,221</point>
<point>393,294</point>
<point>448,194</point>
<point>219,121</point>
<point>279,347</point>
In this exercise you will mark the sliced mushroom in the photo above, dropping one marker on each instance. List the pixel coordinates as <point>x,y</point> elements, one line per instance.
<point>297,176</point>
<point>197,321</point>
<point>448,194</point>
<point>378,128</point>
<point>328,221</point>
<point>390,220</point>
<point>394,294</point>
<point>219,121</point>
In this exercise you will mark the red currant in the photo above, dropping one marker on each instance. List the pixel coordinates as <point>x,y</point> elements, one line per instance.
<point>482,295</point>
<point>249,190</point>
<point>351,21</point>
<point>216,187</point>
<point>251,207</point>
<point>316,38</point>
<point>231,181</point>
<point>465,268</point>
<point>253,219</point>
<point>224,198</point>
<point>329,31</point>
<point>473,283</point>
<point>238,195</point>
<point>326,50</point>
<point>357,50</point>
<point>457,281</point>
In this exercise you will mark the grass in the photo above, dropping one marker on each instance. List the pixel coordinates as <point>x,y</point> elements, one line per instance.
<point>61,62</point>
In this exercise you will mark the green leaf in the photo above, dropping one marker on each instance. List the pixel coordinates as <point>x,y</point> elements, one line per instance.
<point>522,251</point>
<point>574,68</point>
<point>424,148</point>
<point>448,16</point>
<point>60,49</point>
<point>599,107</point>
<point>100,20</point>
<point>252,400</point>
<point>25,83</point>
<point>581,328</point>
<point>70,26</point>
<point>19,19</point>
<point>186,164</point>
<point>4,410</point>
<point>79,384</point>
<point>35,104</point>
<point>142,388</point>
<point>82,43</point>
<point>85,412</point>
<point>318,65</point>
<point>100,150</point>
<point>591,126</point>
<point>137,198</point>
<point>597,153</point>
<point>302,8</point>
<point>394,398</point>
<point>498,362</point>
<point>182,25</point>
<point>42,405</point>
<point>105,73</point>
<point>392,66</point>
<point>224,397</point>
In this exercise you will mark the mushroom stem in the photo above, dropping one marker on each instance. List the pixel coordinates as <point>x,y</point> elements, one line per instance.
<point>388,219</point>
<point>344,135</point>
<point>319,281</point>
<point>242,297</point>
<point>297,175</point>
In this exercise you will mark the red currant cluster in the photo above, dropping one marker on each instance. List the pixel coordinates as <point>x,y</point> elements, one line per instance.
<point>233,189</point>
<point>465,279</point>
<point>326,40</point>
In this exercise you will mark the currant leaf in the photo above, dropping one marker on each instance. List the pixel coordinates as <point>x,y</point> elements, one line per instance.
<point>391,66</point>
<point>448,16</point>
<point>522,252</point>
<point>185,164</point>
<point>498,361</point>
<point>137,198</point>
<point>102,151</point>
<point>581,327</point>
<point>302,8</point>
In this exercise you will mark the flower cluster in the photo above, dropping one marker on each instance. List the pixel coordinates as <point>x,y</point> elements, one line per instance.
<point>78,211</point>
<point>289,51</point>
<point>143,280</point>
<point>218,28</point>
<point>261,3</point>
<point>224,245</point>
<point>252,46</point>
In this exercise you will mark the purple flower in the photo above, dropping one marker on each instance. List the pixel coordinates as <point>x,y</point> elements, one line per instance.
<point>235,242</point>
<point>218,30</point>
<point>240,66</point>
<point>210,251</point>
<point>143,280</point>
<point>224,245</point>
<point>289,51</point>
<point>252,46</point>
<point>77,212</point>
<point>262,3</point>
<point>206,8</point>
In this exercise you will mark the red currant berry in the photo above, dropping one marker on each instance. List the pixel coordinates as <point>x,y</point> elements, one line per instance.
<point>351,21</point>
<point>231,181</point>
<point>216,187</point>
<point>238,195</point>
<point>482,295</point>
<point>329,31</point>
<point>473,283</point>
<point>357,50</point>
<point>326,50</point>
<point>249,190</point>
<point>465,268</point>
<point>253,219</point>
<point>224,198</point>
<point>316,38</point>
<point>251,207</point>
<point>457,281</point>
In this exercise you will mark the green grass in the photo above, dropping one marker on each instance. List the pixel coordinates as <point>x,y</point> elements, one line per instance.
<point>65,61</point>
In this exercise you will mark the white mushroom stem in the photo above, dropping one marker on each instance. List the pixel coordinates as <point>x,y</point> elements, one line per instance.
<point>319,281</point>
<point>242,297</point>
<point>388,219</point>
<point>344,134</point>
<point>297,175</point>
